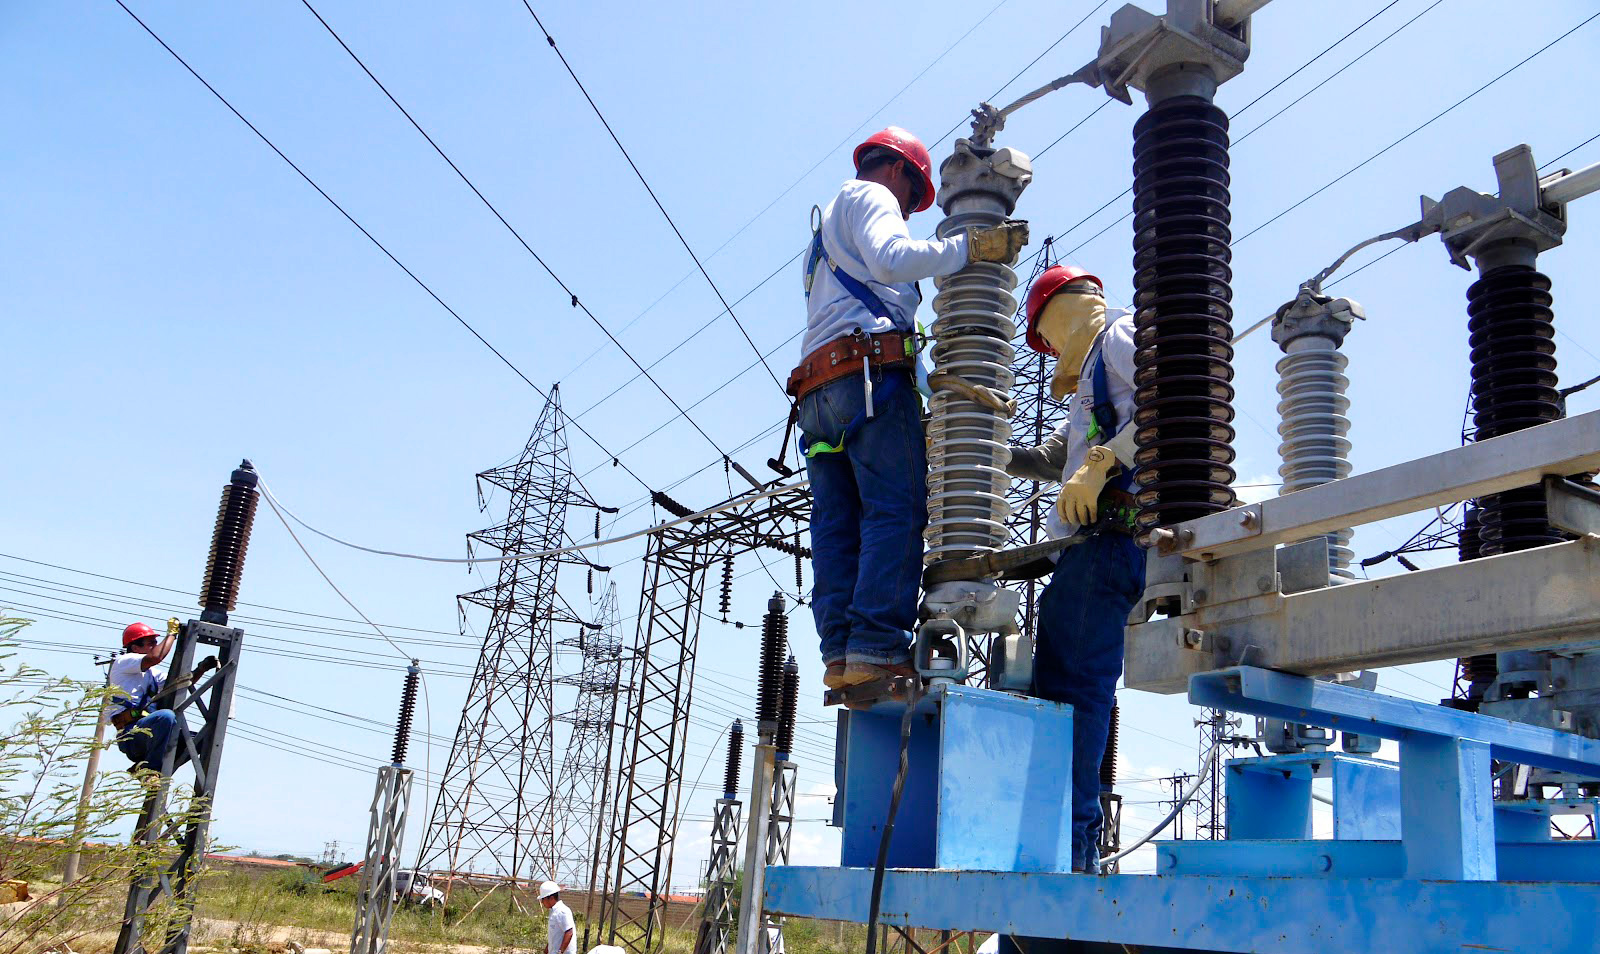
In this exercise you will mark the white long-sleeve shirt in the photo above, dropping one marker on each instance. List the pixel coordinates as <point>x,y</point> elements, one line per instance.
<point>1070,441</point>
<point>865,233</point>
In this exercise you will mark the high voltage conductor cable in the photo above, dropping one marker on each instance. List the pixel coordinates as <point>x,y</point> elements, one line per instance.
<point>1435,118</point>
<point>1125,192</point>
<point>1363,267</point>
<point>790,188</point>
<point>801,251</point>
<point>171,589</point>
<point>1018,74</point>
<point>665,214</point>
<point>556,551</point>
<point>1257,128</point>
<point>576,302</point>
<point>370,237</point>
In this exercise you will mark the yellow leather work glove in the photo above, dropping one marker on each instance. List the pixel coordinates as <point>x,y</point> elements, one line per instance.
<point>1079,502</point>
<point>999,244</point>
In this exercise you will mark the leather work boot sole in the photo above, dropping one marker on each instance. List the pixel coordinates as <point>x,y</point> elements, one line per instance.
<point>858,672</point>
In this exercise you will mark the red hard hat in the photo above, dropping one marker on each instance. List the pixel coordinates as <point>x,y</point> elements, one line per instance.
<point>907,147</point>
<point>136,632</point>
<point>1052,280</point>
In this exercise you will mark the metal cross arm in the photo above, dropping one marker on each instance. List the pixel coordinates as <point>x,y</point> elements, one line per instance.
<point>1559,448</point>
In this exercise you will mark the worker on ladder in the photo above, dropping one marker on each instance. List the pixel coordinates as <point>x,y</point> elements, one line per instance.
<point>857,404</point>
<point>143,734</point>
<point>1099,576</point>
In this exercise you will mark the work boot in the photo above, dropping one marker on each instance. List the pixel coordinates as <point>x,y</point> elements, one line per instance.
<point>859,672</point>
<point>833,676</point>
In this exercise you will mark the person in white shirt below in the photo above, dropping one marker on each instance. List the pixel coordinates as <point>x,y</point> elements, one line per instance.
<point>562,932</point>
<point>142,735</point>
<point>857,404</point>
<point>1096,581</point>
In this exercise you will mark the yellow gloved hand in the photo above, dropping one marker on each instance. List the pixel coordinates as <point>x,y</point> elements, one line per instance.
<point>1079,502</point>
<point>999,244</point>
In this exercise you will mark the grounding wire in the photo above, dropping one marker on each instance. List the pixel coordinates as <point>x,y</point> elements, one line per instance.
<point>643,181</point>
<point>576,301</point>
<point>370,237</point>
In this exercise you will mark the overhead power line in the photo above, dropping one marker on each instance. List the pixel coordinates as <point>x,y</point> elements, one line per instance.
<point>576,301</point>
<point>370,237</point>
<point>646,183</point>
<point>1424,125</point>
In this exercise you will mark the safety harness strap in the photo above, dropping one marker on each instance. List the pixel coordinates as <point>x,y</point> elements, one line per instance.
<point>1105,425</point>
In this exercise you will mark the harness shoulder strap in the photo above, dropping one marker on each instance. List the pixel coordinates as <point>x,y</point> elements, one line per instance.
<point>1105,424</point>
<point>857,289</point>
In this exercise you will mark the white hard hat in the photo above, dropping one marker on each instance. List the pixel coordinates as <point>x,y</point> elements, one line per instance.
<point>547,889</point>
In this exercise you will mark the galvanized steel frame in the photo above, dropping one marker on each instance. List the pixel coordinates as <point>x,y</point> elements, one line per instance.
<point>660,691</point>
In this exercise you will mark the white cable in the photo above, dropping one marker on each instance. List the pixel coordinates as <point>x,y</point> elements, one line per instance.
<point>509,557</point>
<point>1194,787</point>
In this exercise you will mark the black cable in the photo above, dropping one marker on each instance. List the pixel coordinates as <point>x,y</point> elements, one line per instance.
<point>1258,127</point>
<point>1435,118</point>
<point>370,237</point>
<point>1569,152</point>
<point>888,821</point>
<point>190,593</point>
<point>643,181</point>
<point>576,301</point>
<point>801,178</point>
<point>1018,74</point>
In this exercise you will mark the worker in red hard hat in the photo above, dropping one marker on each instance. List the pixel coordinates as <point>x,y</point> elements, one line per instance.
<point>143,733</point>
<point>1099,576</point>
<point>857,405</point>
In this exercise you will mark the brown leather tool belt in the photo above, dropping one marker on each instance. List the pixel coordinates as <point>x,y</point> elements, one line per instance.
<point>841,357</point>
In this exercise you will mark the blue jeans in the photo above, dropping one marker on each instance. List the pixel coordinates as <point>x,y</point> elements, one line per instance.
<point>869,504</point>
<point>148,747</point>
<point>1079,658</point>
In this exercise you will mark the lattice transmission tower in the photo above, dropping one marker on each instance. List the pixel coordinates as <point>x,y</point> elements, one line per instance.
<point>496,811</point>
<point>1037,415</point>
<point>584,782</point>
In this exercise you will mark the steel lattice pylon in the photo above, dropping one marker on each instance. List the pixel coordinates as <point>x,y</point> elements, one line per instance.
<point>585,776</point>
<point>1037,416</point>
<point>495,811</point>
<point>661,683</point>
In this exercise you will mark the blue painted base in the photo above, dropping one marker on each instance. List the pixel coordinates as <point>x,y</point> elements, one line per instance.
<point>1423,860</point>
<point>988,788</point>
<point>1281,914</point>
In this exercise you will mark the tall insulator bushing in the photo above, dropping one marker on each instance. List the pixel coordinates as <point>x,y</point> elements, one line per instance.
<point>786,707</point>
<point>774,639</point>
<point>730,774</point>
<point>1182,312</point>
<point>408,708</point>
<point>229,541</point>
<point>1312,411</point>
<point>972,332</point>
<point>1512,337</point>
<point>1108,761</point>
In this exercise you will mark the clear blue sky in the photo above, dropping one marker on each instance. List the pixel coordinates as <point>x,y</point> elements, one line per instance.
<point>176,298</point>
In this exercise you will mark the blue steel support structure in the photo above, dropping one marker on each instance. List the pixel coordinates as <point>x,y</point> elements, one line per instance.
<point>1422,859</point>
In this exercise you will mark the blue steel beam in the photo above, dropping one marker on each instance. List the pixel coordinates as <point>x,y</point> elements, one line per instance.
<point>1277,915</point>
<point>1301,699</point>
